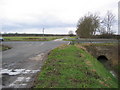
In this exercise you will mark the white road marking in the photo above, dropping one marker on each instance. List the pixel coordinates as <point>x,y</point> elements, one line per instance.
<point>28,79</point>
<point>17,71</point>
<point>20,81</point>
<point>68,43</point>
<point>35,71</point>
<point>26,71</point>
<point>58,39</point>
<point>42,43</point>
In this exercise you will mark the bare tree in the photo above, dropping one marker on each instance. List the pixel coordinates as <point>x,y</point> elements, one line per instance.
<point>102,30</point>
<point>70,33</point>
<point>108,21</point>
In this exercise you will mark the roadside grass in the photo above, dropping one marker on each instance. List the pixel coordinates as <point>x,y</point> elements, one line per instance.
<point>69,40</point>
<point>17,38</point>
<point>4,47</point>
<point>99,44</point>
<point>73,67</point>
<point>73,37</point>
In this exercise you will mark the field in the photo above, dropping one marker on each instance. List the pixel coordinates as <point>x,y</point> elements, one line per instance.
<point>16,38</point>
<point>72,67</point>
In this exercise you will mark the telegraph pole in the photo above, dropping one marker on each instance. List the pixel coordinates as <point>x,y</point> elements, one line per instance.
<point>43,32</point>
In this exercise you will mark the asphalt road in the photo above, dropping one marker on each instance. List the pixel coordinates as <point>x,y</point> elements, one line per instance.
<point>21,63</point>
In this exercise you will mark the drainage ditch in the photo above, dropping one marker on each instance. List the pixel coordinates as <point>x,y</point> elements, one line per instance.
<point>103,59</point>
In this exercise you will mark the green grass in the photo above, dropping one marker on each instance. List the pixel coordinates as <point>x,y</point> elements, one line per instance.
<point>72,67</point>
<point>16,38</point>
<point>100,44</point>
<point>69,40</point>
<point>73,37</point>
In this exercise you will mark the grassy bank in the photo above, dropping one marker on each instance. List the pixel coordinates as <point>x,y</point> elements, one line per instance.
<point>3,47</point>
<point>15,38</point>
<point>69,40</point>
<point>112,51</point>
<point>72,67</point>
<point>100,44</point>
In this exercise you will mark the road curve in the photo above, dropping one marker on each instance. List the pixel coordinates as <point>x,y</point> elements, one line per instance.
<point>21,63</point>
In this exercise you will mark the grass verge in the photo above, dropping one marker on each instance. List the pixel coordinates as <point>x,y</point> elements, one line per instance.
<point>100,44</point>
<point>15,38</point>
<point>70,38</point>
<point>73,67</point>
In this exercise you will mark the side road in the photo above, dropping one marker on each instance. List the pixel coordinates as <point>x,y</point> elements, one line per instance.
<point>21,63</point>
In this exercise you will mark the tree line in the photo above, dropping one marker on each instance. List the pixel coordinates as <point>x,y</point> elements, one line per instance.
<point>39,35</point>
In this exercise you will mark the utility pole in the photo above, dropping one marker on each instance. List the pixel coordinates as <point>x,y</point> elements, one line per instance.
<point>43,32</point>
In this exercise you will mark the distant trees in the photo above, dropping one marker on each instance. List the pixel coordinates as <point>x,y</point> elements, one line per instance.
<point>102,30</point>
<point>90,24</point>
<point>109,21</point>
<point>70,33</point>
<point>87,25</point>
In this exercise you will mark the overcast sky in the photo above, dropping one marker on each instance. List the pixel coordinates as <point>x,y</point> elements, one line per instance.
<point>56,16</point>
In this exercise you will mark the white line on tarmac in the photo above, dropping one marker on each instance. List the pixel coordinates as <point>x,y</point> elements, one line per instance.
<point>58,39</point>
<point>42,43</point>
<point>68,43</point>
<point>20,81</point>
<point>17,71</point>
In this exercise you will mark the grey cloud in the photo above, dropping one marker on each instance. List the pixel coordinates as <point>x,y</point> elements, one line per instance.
<point>45,25</point>
<point>43,21</point>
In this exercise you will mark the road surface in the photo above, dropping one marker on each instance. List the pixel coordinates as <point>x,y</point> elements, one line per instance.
<point>21,63</point>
